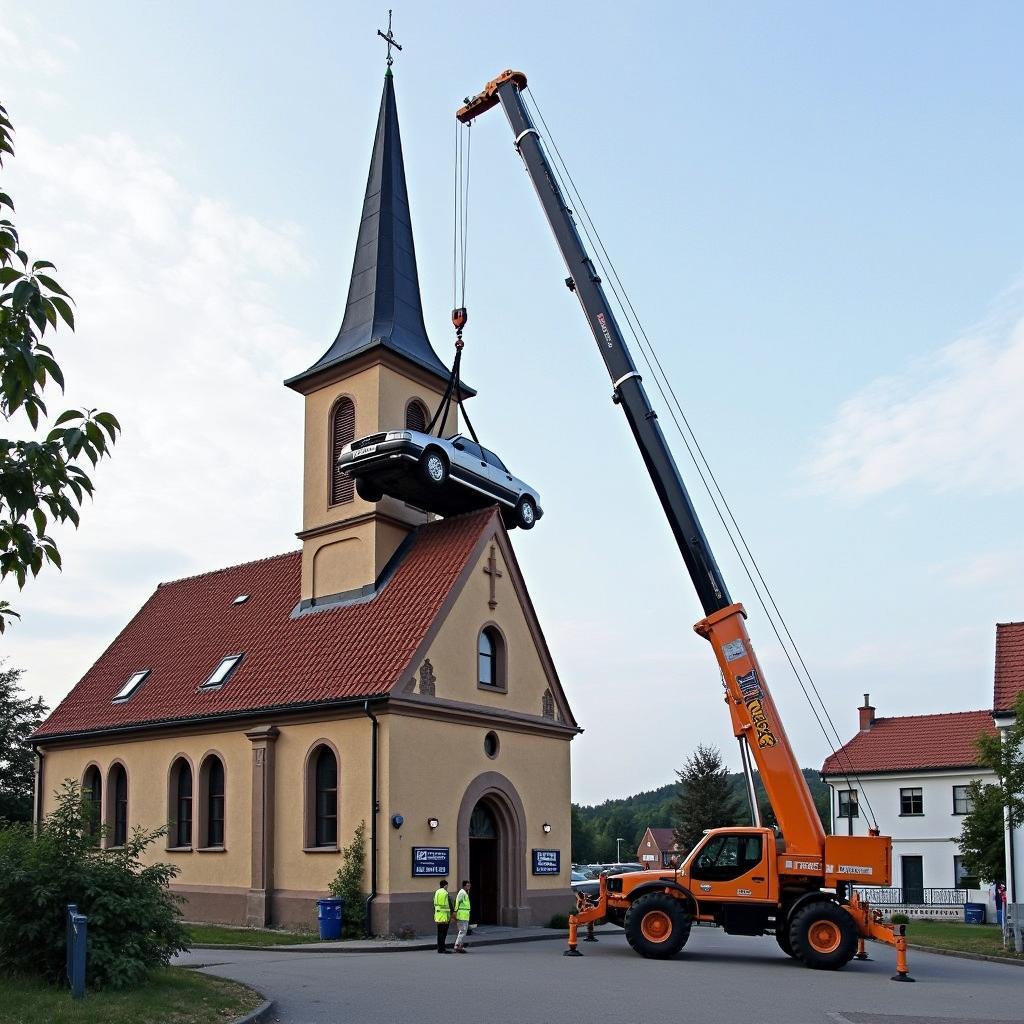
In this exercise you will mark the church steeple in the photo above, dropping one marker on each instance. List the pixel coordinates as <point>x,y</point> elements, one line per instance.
<point>383,308</point>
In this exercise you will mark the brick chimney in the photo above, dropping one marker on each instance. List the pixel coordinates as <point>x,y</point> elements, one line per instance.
<point>867,714</point>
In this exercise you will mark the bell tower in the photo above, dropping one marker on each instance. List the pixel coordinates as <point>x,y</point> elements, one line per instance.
<point>381,373</point>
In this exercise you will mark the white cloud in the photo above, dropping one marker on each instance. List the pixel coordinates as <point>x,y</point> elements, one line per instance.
<point>990,569</point>
<point>951,422</point>
<point>182,333</point>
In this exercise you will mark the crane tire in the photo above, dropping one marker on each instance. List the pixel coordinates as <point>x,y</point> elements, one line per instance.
<point>657,926</point>
<point>433,467</point>
<point>368,491</point>
<point>823,936</point>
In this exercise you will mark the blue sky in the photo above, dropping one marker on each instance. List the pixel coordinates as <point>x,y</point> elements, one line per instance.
<point>816,209</point>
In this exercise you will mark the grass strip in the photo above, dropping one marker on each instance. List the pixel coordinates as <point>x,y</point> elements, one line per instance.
<point>218,935</point>
<point>986,939</point>
<point>171,996</point>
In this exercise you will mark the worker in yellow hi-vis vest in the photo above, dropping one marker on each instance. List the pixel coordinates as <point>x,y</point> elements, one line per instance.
<point>442,914</point>
<point>462,916</point>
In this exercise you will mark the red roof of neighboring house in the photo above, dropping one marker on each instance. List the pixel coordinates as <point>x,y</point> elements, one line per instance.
<point>913,742</point>
<point>183,631</point>
<point>1009,682</point>
<point>664,837</point>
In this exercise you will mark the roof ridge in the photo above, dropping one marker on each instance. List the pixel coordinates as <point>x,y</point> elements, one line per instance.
<point>933,714</point>
<point>229,568</point>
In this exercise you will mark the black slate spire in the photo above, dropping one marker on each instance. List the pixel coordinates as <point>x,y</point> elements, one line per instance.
<point>383,307</point>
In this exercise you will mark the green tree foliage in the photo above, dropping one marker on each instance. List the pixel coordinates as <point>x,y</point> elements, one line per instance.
<point>41,480</point>
<point>347,884</point>
<point>19,717</point>
<point>982,840</point>
<point>706,797</point>
<point>133,916</point>
<point>1006,758</point>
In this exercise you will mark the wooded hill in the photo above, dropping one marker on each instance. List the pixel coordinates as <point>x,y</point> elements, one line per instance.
<point>595,828</point>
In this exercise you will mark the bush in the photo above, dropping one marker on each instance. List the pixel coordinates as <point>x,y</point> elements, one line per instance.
<point>559,921</point>
<point>133,916</point>
<point>899,919</point>
<point>347,884</point>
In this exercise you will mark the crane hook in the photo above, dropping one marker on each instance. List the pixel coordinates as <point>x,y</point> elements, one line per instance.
<point>459,318</point>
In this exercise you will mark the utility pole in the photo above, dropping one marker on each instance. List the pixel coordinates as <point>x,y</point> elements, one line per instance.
<point>618,850</point>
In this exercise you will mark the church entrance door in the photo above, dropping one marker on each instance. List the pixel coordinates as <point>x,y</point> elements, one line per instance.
<point>484,857</point>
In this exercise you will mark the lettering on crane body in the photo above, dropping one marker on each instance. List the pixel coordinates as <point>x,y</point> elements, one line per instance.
<point>750,688</point>
<point>603,324</point>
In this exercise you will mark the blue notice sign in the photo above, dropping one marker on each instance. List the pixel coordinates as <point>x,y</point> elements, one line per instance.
<point>429,861</point>
<point>547,862</point>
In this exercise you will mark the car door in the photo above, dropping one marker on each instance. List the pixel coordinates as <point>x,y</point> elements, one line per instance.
<point>470,463</point>
<point>501,478</point>
<point>731,866</point>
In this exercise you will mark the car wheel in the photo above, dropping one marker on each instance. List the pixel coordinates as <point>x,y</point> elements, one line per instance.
<point>433,467</point>
<point>657,926</point>
<point>823,936</point>
<point>526,513</point>
<point>368,491</point>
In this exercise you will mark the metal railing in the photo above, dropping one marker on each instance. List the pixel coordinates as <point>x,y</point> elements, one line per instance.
<point>891,896</point>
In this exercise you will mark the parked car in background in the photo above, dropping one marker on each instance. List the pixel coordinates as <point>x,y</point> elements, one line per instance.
<point>591,886</point>
<point>441,475</point>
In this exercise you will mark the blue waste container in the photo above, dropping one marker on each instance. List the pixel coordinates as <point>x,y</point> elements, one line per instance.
<point>974,913</point>
<point>330,914</point>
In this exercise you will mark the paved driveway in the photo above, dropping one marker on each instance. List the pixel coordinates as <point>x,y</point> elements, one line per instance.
<point>718,979</point>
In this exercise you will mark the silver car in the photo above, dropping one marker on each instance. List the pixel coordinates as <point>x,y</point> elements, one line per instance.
<point>446,475</point>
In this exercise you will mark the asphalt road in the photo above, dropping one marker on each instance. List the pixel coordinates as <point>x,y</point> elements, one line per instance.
<point>717,979</point>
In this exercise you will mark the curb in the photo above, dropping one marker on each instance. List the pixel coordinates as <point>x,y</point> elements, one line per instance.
<point>257,1016</point>
<point>962,955</point>
<point>407,948</point>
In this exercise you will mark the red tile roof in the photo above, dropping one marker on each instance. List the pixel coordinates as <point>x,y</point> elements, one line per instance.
<point>913,742</point>
<point>1009,682</point>
<point>664,837</point>
<point>183,631</point>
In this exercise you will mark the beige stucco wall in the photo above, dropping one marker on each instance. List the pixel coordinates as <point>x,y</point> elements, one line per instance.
<point>432,763</point>
<point>148,762</point>
<point>453,653</point>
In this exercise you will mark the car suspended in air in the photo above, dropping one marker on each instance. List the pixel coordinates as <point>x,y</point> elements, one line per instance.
<point>446,476</point>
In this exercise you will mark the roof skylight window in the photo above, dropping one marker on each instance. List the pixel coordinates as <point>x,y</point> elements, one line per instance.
<point>222,673</point>
<point>241,599</point>
<point>133,683</point>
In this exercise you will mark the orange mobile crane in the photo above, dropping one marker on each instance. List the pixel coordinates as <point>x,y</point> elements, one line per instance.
<point>746,880</point>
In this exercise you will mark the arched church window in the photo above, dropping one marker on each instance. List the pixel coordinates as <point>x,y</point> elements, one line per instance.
<point>326,803</point>
<point>92,797</point>
<point>181,805</point>
<point>343,432</point>
<point>211,811</point>
<point>117,791</point>
<point>490,658</point>
<point>416,417</point>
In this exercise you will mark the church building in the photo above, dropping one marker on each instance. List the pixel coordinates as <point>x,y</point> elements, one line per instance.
<point>392,672</point>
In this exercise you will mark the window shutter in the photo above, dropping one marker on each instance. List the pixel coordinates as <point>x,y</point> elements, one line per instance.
<point>343,432</point>
<point>415,417</point>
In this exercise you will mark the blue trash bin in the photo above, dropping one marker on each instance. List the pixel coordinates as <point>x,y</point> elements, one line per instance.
<point>974,913</point>
<point>330,914</point>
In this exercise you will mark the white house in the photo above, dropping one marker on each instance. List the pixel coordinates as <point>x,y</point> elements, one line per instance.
<point>911,774</point>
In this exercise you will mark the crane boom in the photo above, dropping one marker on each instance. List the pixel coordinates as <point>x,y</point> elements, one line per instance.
<point>751,707</point>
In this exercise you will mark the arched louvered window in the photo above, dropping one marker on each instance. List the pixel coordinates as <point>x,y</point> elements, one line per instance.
<point>181,793</point>
<point>416,416</point>
<point>215,802</point>
<point>117,790</point>
<point>343,432</point>
<point>547,705</point>
<point>326,799</point>
<point>92,797</point>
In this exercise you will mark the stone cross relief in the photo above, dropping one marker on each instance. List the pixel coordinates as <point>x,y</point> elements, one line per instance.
<point>495,574</point>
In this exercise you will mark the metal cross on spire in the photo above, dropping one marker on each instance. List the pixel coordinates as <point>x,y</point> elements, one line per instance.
<point>390,40</point>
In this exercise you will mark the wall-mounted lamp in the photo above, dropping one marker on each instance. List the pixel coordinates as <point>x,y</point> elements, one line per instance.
<point>397,820</point>
<point>433,822</point>
<point>546,827</point>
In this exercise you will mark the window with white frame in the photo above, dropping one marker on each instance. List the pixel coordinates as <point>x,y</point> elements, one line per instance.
<point>962,802</point>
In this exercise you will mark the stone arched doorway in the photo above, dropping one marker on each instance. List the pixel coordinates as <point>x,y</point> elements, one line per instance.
<point>492,850</point>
